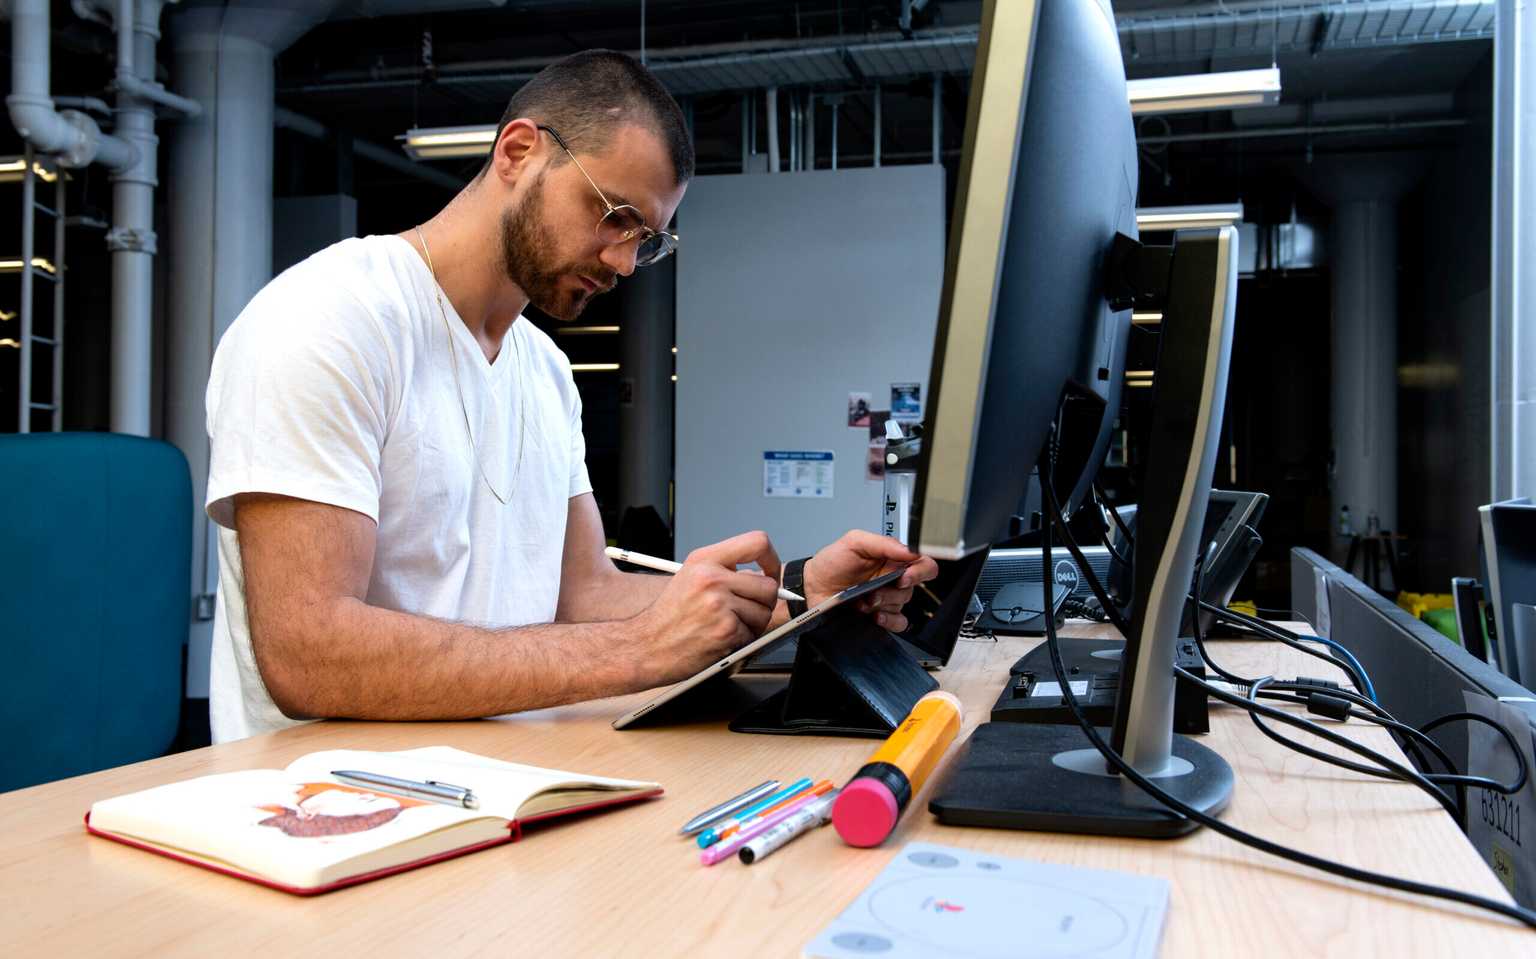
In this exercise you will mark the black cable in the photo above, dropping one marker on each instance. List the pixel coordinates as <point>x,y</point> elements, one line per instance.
<point>1257,709</point>
<point>1053,644</point>
<point>1194,612</point>
<point>1114,514</point>
<point>1409,743</point>
<point>1281,635</point>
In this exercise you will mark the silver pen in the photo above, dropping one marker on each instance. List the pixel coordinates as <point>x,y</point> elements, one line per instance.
<point>432,790</point>
<point>717,813</point>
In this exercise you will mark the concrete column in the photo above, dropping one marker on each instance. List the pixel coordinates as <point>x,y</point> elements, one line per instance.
<point>132,238</point>
<point>648,311</point>
<point>1513,340</point>
<point>1364,265</point>
<point>220,213</point>
<point>1364,190</point>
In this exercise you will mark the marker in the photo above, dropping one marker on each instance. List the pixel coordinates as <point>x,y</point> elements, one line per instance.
<point>667,566</point>
<point>869,807</point>
<point>731,805</point>
<point>717,832</point>
<point>772,812</point>
<point>811,816</point>
<point>728,847</point>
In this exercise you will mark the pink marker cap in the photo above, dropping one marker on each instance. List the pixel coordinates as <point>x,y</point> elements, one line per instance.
<point>865,812</point>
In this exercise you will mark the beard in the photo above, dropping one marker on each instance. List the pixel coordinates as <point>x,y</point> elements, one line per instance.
<point>526,245</point>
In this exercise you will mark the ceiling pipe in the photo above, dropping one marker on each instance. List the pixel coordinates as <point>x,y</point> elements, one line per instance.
<point>69,135</point>
<point>1315,130</point>
<point>771,107</point>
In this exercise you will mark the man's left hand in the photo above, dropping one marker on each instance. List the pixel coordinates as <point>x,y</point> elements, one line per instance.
<point>860,556</point>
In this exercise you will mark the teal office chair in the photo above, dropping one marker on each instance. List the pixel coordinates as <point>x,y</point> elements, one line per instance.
<point>95,567</point>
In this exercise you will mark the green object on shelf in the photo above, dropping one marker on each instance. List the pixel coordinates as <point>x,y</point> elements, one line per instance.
<point>1443,620</point>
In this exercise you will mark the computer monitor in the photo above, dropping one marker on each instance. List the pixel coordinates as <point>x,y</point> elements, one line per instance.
<point>1507,532</point>
<point>1041,268</point>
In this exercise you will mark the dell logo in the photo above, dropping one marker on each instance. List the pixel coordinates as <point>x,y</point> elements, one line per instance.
<point>1066,575</point>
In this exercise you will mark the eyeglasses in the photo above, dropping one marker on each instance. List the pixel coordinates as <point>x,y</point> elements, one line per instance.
<point>623,223</point>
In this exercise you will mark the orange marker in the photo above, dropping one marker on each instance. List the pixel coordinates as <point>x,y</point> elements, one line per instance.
<point>820,789</point>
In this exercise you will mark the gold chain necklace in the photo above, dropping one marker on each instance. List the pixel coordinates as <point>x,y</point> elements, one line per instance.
<point>463,407</point>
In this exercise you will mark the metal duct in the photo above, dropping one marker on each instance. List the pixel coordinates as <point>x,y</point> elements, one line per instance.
<point>1235,29</point>
<point>1193,33</point>
<point>357,9</point>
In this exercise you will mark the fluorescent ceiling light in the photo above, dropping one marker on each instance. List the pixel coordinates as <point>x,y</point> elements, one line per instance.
<point>594,367</point>
<point>1157,218</point>
<point>7,316</point>
<point>443,143</point>
<point>584,330</point>
<point>14,344</point>
<point>1146,319</point>
<point>1205,91</point>
<point>14,266</point>
<point>11,169</point>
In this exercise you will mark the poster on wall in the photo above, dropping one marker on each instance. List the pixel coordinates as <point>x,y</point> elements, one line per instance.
<point>803,474</point>
<point>906,402</point>
<point>858,409</point>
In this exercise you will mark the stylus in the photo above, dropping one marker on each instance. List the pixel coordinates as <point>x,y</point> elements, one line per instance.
<point>731,805</point>
<point>667,566</point>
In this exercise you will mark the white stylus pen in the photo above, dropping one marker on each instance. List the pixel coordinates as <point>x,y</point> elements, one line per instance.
<point>667,566</point>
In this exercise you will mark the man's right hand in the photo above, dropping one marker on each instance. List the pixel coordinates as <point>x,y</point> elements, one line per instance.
<point>709,609</point>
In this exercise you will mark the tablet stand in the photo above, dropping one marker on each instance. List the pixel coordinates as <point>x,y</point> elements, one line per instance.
<point>850,678</point>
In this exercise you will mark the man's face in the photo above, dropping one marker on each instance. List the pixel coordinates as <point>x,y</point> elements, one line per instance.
<point>549,237</point>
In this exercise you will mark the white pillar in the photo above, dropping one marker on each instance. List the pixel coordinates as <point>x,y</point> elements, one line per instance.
<point>220,227</point>
<point>1513,340</point>
<point>1364,267</point>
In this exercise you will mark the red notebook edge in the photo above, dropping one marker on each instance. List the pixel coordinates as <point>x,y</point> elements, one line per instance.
<point>514,833</point>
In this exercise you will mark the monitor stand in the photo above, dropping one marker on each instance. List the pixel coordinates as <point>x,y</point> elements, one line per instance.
<point>1052,778</point>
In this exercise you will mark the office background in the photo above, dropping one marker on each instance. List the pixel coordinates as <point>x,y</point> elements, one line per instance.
<point>1374,363</point>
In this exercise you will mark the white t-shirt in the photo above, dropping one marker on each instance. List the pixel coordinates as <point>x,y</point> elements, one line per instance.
<point>336,385</point>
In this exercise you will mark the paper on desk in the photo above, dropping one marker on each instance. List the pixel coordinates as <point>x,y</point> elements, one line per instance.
<point>1496,822</point>
<point>935,900</point>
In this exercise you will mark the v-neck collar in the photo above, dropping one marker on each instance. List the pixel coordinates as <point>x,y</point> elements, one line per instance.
<point>460,330</point>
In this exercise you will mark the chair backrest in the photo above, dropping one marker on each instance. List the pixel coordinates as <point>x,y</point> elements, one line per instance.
<point>95,567</point>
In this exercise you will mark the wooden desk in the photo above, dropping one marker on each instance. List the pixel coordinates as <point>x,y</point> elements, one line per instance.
<point>624,883</point>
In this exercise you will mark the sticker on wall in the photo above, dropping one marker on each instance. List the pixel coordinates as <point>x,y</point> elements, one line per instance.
<point>858,409</point>
<point>874,462</point>
<point>906,402</point>
<point>877,420</point>
<point>802,474</point>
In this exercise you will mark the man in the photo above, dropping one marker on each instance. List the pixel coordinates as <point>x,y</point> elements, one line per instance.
<point>398,471</point>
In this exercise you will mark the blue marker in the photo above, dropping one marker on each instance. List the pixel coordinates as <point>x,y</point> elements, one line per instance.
<point>719,831</point>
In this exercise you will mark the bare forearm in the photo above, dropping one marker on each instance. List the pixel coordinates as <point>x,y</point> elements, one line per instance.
<point>608,597</point>
<point>361,662</point>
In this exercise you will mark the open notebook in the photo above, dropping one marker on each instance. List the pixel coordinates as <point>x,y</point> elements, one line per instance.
<point>299,830</point>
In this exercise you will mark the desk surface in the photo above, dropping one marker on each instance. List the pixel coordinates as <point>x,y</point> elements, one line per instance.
<point>625,882</point>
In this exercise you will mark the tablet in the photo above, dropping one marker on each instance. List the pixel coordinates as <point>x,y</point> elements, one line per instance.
<point>732,664</point>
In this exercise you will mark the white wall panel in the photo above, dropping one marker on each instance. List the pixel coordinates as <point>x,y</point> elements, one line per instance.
<point>793,290</point>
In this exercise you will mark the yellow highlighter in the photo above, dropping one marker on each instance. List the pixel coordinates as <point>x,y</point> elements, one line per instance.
<point>869,807</point>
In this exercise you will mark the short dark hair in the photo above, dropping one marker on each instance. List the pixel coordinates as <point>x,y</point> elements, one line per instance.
<point>587,96</point>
